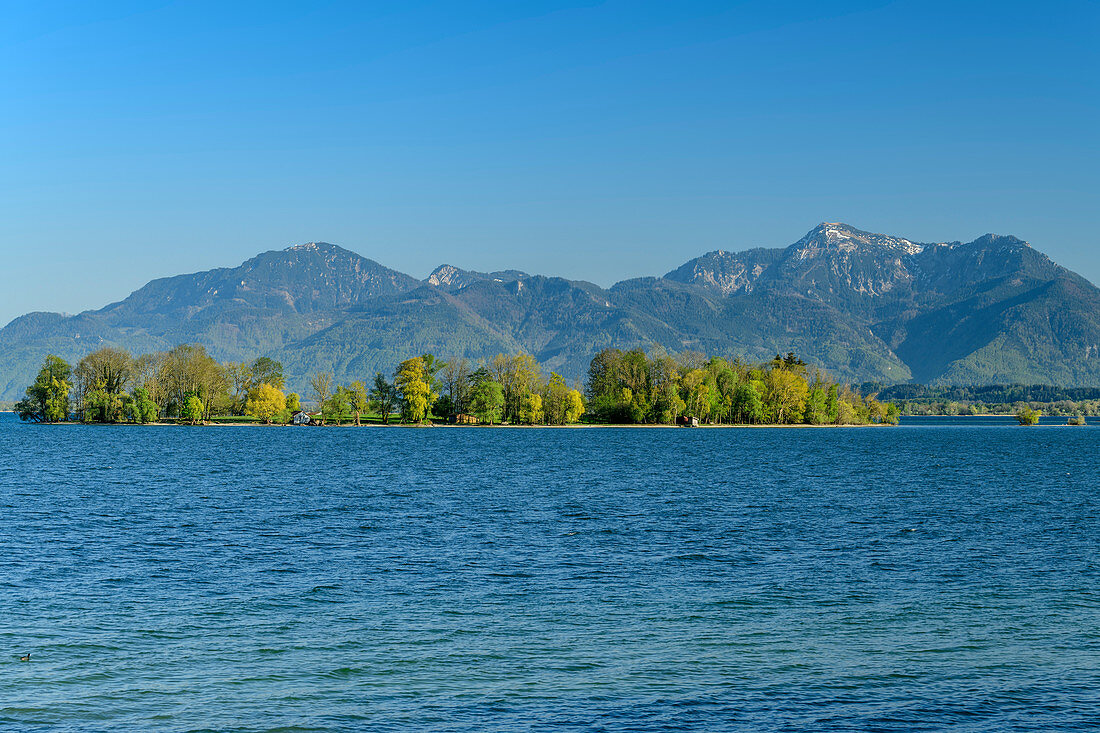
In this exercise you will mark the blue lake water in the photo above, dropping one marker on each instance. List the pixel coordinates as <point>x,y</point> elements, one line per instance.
<point>915,578</point>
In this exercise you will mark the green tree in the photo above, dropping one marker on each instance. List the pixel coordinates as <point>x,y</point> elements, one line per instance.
<point>293,402</point>
<point>47,399</point>
<point>142,407</point>
<point>634,374</point>
<point>265,370</point>
<point>831,409</point>
<point>603,375</point>
<point>188,371</point>
<point>816,411</point>
<point>518,374</point>
<point>667,404</point>
<point>487,402</point>
<point>107,369</point>
<point>555,400</point>
<point>192,411</point>
<point>725,382</point>
<point>664,378</point>
<point>1027,416</point>
<point>444,407</point>
<point>432,368</point>
<point>846,413</point>
<point>101,405</point>
<point>748,408</point>
<point>337,406</point>
<point>455,378</point>
<point>149,375</point>
<point>383,396</point>
<point>697,392</point>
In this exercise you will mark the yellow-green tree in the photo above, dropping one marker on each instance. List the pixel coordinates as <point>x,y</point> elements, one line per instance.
<point>337,405</point>
<point>530,409</point>
<point>846,413</point>
<point>518,374</point>
<point>555,400</point>
<point>265,402</point>
<point>574,406</point>
<point>1027,416</point>
<point>187,370</point>
<point>786,396</point>
<point>411,380</point>
<point>359,398</point>
<point>697,392</point>
<point>107,369</point>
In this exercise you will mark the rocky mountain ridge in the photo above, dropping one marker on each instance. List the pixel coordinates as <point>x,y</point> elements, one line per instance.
<point>868,307</point>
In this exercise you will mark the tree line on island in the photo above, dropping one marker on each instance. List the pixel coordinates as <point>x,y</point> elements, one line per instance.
<point>635,387</point>
<point>1021,400</point>
<point>186,384</point>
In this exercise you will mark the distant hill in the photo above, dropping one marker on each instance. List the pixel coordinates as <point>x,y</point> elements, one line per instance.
<point>868,307</point>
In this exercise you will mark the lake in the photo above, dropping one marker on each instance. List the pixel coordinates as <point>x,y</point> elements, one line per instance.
<point>944,573</point>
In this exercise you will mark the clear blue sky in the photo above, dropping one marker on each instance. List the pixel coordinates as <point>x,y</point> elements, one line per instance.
<point>590,140</point>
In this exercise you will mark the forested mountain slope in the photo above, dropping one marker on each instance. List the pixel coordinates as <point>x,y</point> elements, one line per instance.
<point>869,307</point>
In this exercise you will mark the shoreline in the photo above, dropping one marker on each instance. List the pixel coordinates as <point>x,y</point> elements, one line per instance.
<point>465,427</point>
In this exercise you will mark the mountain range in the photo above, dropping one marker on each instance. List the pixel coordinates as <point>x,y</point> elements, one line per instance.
<point>867,307</point>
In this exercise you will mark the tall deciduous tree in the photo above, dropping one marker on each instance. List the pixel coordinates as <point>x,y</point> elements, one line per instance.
<point>265,402</point>
<point>266,370</point>
<point>787,392</point>
<point>555,398</point>
<point>359,399</point>
<point>487,401</point>
<point>518,375</point>
<point>149,375</point>
<point>748,407</point>
<point>103,376</point>
<point>384,396</point>
<point>530,409</point>
<point>192,411</point>
<point>187,371</point>
<point>47,400</point>
<point>455,378</point>
<point>321,384</point>
<point>574,406</point>
<point>238,375</point>
<point>337,406</point>
<point>142,407</point>
<point>411,381</point>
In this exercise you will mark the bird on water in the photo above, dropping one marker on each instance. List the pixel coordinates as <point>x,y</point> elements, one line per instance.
<point>25,658</point>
